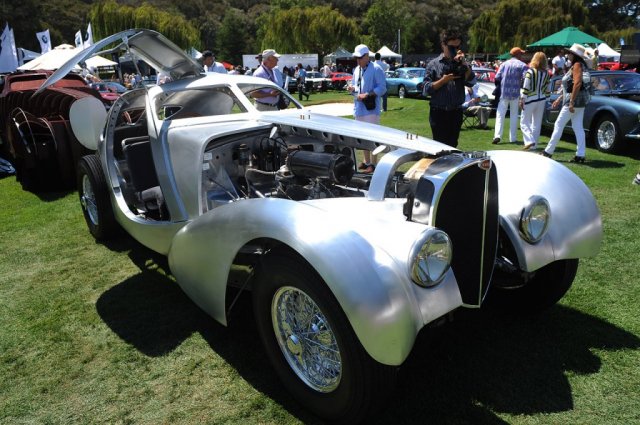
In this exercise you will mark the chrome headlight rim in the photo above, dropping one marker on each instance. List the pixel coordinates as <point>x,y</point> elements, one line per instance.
<point>535,219</point>
<point>430,258</point>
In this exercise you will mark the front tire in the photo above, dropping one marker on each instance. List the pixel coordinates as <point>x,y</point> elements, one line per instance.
<point>402,92</point>
<point>606,134</point>
<point>311,344</point>
<point>543,289</point>
<point>94,199</point>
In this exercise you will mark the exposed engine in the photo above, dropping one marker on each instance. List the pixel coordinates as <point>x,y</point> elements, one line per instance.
<point>270,167</point>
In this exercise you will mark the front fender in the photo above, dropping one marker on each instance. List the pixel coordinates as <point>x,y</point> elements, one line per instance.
<point>371,287</point>
<point>575,229</point>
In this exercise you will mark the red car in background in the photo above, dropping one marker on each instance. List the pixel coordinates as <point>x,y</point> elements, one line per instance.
<point>109,90</point>
<point>339,80</point>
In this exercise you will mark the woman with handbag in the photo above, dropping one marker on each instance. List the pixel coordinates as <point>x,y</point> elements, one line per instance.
<point>574,98</point>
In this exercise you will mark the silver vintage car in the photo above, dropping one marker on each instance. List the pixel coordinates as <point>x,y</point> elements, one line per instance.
<point>346,267</point>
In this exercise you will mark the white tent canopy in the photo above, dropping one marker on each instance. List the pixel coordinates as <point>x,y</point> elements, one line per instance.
<point>386,52</point>
<point>56,57</point>
<point>604,51</point>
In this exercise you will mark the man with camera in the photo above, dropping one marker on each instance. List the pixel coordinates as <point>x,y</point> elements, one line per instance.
<point>368,85</point>
<point>445,80</point>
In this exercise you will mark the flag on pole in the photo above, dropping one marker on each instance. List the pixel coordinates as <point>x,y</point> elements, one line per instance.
<point>88,41</point>
<point>45,41</point>
<point>78,40</point>
<point>8,52</point>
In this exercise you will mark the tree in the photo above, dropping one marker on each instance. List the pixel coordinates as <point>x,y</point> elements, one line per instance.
<point>109,17</point>
<point>384,18</point>
<point>521,22</point>
<point>610,15</point>
<point>312,29</point>
<point>230,44</point>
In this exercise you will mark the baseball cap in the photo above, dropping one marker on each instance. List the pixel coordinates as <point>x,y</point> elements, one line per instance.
<point>268,53</point>
<point>360,51</point>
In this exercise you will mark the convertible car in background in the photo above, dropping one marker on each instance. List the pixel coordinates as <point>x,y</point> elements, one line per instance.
<point>612,117</point>
<point>345,267</point>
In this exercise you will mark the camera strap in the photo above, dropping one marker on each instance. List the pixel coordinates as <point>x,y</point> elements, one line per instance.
<point>362,71</point>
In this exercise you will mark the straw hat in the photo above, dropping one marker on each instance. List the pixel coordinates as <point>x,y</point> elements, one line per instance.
<point>578,50</point>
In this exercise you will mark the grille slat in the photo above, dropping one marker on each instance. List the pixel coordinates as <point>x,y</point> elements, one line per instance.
<point>466,207</point>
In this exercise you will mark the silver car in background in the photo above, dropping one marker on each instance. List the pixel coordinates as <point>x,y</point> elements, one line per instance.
<point>344,268</point>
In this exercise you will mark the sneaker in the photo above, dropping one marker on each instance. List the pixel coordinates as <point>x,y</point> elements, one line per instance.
<point>496,141</point>
<point>530,147</point>
<point>578,159</point>
<point>637,179</point>
<point>545,154</point>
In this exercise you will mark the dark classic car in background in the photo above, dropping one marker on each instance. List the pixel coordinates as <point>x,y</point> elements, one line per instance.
<point>612,117</point>
<point>345,268</point>
<point>404,82</point>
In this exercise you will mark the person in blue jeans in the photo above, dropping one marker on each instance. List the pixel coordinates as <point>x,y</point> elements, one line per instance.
<point>302,80</point>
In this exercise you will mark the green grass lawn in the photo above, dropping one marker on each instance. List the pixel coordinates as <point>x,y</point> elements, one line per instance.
<point>95,334</point>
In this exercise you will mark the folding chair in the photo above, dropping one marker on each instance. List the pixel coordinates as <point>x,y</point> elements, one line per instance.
<point>470,120</point>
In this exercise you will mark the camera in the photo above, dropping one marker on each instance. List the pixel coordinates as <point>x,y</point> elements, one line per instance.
<point>456,68</point>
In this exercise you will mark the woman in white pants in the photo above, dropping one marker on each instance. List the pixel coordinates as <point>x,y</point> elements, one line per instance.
<point>534,94</point>
<point>574,98</point>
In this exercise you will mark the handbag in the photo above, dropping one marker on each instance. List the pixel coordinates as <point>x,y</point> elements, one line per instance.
<point>370,102</point>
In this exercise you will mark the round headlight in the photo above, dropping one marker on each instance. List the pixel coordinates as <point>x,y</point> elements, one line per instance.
<point>430,258</point>
<point>535,218</point>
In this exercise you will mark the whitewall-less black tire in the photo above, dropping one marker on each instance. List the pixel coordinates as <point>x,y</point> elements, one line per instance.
<point>94,199</point>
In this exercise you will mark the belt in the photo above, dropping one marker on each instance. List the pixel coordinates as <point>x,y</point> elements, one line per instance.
<point>268,104</point>
<point>446,108</point>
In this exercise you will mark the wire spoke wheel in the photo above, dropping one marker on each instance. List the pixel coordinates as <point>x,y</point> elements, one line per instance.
<point>606,134</point>
<point>306,339</point>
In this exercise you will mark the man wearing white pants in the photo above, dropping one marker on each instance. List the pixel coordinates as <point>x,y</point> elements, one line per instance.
<point>510,74</point>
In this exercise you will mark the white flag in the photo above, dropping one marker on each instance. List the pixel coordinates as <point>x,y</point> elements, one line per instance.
<point>8,52</point>
<point>88,41</point>
<point>78,40</point>
<point>45,41</point>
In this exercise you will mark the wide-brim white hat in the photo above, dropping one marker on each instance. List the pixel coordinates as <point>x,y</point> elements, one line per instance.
<point>578,50</point>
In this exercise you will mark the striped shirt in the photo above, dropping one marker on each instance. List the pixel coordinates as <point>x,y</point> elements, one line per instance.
<point>536,85</point>
<point>451,95</point>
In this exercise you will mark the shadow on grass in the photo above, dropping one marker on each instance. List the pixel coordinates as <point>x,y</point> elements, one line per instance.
<point>460,372</point>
